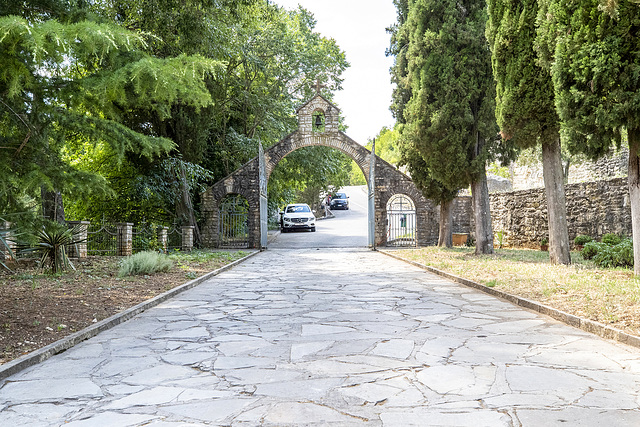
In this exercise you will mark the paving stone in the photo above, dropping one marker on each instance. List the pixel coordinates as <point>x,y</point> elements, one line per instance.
<point>280,341</point>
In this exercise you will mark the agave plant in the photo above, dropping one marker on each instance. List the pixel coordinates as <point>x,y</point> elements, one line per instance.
<point>53,239</point>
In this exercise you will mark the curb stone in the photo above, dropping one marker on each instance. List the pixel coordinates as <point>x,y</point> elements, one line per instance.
<point>587,325</point>
<point>44,353</point>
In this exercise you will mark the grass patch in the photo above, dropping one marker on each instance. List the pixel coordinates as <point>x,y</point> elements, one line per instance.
<point>610,296</point>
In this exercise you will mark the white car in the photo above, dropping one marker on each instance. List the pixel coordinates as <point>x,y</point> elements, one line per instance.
<point>297,216</point>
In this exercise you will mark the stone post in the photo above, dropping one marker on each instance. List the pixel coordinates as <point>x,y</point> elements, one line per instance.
<point>79,250</point>
<point>124,241</point>
<point>187,238</point>
<point>162,238</point>
<point>4,252</point>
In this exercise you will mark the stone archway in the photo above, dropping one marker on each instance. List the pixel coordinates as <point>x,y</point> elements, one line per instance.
<point>388,180</point>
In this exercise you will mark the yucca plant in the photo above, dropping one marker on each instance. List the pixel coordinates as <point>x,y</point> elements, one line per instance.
<point>52,240</point>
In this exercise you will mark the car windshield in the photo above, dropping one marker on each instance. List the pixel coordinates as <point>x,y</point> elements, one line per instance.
<point>294,209</point>
<point>340,196</point>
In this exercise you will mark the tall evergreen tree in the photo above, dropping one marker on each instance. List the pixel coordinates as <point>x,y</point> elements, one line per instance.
<point>449,117</point>
<point>525,105</point>
<point>61,83</point>
<point>596,76</point>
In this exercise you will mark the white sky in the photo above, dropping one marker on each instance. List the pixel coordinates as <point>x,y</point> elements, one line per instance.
<point>358,26</point>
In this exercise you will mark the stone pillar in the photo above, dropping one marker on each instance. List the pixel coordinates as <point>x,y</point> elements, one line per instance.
<point>162,238</point>
<point>187,238</point>
<point>124,243</point>
<point>4,252</point>
<point>79,250</point>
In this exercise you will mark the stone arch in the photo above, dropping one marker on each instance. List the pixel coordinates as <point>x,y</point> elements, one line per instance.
<point>388,180</point>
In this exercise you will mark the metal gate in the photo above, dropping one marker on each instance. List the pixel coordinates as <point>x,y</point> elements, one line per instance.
<point>234,218</point>
<point>401,221</point>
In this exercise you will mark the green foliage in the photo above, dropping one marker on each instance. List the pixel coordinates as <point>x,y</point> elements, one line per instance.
<point>616,255</point>
<point>144,263</point>
<point>445,94</point>
<point>582,239</point>
<point>387,145</point>
<point>500,238</point>
<point>544,241</point>
<point>52,241</point>
<point>525,109</point>
<point>591,249</point>
<point>611,239</point>
<point>595,70</point>
<point>356,176</point>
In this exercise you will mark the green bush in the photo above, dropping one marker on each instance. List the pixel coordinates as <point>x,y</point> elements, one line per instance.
<point>144,263</point>
<point>611,239</point>
<point>620,255</point>
<point>592,248</point>
<point>582,239</point>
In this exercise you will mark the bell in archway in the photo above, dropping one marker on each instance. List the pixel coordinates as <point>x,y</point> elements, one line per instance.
<point>318,121</point>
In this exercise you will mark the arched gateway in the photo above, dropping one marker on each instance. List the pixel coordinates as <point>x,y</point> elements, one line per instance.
<point>317,125</point>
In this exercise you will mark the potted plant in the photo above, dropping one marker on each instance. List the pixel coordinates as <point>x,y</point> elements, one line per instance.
<point>544,244</point>
<point>580,241</point>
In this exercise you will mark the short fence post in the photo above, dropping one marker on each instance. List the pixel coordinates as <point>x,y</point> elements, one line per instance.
<point>124,241</point>
<point>187,237</point>
<point>79,250</point>
<point>163,238</point>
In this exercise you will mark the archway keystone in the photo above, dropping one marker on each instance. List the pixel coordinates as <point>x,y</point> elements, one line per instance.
<point>388,180</point>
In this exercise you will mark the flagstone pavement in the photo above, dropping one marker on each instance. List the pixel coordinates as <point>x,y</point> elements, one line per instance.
<point>331,337</point>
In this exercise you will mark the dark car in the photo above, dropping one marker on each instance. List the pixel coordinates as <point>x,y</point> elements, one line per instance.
<point>339,201</point>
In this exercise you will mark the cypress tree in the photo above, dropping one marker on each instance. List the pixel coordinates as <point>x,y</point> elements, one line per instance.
<point>525,109</point>
<point>449,118</point>
<point>596,76</point>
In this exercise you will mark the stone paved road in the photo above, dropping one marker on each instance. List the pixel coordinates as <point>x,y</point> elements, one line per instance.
<point>332,337</point>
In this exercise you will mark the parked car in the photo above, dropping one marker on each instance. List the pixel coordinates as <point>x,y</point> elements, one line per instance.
<point>297,216</point>
<point>339,201</point>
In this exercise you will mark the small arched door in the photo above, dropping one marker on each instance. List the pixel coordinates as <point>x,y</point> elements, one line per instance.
<point>401,221</point>
<point>234,222</point>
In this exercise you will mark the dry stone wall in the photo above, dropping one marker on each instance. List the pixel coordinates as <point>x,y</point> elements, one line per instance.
<point>593,208</point>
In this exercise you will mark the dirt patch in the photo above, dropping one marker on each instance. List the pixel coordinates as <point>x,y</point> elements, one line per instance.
<point>37,309</point>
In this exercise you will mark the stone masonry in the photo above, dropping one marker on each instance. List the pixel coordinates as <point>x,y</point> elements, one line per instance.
<point>388,182</point>
<point>593,208</point>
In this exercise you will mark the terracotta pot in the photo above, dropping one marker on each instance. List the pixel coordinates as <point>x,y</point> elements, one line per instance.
<point>544,247</point>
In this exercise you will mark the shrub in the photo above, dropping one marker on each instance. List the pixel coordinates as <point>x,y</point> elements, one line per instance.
<point>611,239</point>
<point>582,239</point>
<point>620,255</point>
<point>144,263</point>
<point>591,249</point>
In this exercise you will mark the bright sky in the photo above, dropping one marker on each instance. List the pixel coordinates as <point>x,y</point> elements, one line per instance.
<point>358,26</point>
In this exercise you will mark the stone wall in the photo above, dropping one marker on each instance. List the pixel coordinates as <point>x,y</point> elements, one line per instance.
<point>593,208</point>
<point>611,166</point>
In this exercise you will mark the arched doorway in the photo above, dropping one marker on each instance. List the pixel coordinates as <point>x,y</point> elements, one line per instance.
<point>234,222</point>
<point>401,221</point>
<point>318,126</point>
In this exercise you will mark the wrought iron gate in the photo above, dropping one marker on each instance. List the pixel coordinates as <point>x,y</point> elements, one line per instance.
<point>234,218</point>
<point>401,221</point>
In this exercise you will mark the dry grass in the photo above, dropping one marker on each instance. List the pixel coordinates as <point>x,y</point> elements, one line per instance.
<point>607,296</point>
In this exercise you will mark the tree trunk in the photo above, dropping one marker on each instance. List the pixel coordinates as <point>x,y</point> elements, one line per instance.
<point>482,215</point>
<point>185,205</point>
<point>52,206</point>
<point>556,203</point>
<point>634,195</point>
<point>446,224</point>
